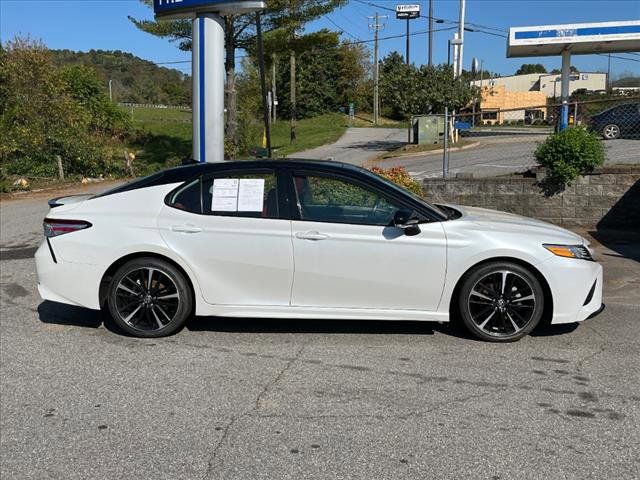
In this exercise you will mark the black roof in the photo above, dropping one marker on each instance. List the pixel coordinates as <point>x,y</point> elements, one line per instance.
<point>192,170</point>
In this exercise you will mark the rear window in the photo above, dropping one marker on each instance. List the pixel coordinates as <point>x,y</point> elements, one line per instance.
<point>253,195</point>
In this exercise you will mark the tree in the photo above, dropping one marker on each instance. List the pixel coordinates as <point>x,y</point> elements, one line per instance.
<point>557,71</point>
<point>407,90</point>
<point>527,68</point>
<point>45,112</point>
<point>288,15</point>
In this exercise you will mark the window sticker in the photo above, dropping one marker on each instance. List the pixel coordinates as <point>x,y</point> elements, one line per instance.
<point>251,195</point>
<point>224,196</point>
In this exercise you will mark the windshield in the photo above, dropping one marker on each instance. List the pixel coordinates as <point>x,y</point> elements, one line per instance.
<point>409,193</point>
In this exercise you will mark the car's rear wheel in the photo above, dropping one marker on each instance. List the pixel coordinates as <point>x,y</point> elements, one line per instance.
<point>501,302</point>
<point>611,131</point>
<point>149,297</point>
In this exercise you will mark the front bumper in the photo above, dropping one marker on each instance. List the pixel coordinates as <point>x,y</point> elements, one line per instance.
<point>571,281</point>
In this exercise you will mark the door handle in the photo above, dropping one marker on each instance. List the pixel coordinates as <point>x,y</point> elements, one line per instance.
<point>185,228</point>
<point>311,235</point>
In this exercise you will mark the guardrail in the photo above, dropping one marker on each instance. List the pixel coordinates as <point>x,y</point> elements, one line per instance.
<point>153,105</point>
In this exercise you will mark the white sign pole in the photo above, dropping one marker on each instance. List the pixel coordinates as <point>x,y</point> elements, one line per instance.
<point>208,88</point>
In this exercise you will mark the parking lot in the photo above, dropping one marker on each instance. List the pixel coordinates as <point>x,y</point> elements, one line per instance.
<point>229,398</point>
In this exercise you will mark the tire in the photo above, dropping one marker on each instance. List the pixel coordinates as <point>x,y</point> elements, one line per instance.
<point>152,312</point>
<point>611,131</point>
<point>496,314</point>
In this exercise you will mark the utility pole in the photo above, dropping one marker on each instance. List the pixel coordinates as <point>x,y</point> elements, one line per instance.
<point>292,94</point>
<point>263,83</point>
<point>376,26</point>
<point>460,37</point>
<point>407,53</point>
<point>111,81</point>
<point>609,74</point>
<point>274,97</point>
<point>430,32</point>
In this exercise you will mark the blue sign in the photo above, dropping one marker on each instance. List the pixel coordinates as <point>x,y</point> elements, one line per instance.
<point>462,125</point>
<point>184,7</point>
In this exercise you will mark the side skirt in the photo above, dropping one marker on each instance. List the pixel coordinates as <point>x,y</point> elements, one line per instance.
<point>270,311</point>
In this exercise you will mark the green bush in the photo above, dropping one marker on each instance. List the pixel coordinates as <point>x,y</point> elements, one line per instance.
<point>46,112</point>
<point>572,152</point>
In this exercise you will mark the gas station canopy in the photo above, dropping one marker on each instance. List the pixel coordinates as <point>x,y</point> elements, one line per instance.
<point>578,38</point>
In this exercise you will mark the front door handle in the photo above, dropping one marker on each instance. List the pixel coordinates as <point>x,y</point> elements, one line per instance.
<point>185,228</point>
<point>311,235</point>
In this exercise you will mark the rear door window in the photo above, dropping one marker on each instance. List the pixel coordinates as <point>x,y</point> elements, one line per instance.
<point>241,194</point>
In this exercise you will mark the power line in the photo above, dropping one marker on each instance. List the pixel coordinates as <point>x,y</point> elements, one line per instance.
<point>442,20</point>
<point>618,57</point>
<point>342,30</point>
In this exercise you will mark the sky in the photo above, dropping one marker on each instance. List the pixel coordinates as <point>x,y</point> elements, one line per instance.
<point>103,24</point>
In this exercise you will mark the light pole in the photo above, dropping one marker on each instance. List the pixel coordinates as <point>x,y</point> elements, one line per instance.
<point>454,42</point>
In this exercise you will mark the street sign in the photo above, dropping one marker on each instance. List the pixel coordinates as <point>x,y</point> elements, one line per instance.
<point>407,12</point>
<point>190,8</point>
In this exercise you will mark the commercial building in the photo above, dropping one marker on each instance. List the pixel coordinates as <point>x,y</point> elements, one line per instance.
<point>523,98</point>
<point>548,83</point>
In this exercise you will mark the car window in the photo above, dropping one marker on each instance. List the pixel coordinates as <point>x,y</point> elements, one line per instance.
<point>188,197</point>
<point>324,199</point>
<point>243,194</point>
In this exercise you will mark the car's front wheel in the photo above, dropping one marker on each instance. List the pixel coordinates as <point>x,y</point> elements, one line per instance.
<point>611,131</point>
<point>149,297</point>
<point>501,302</point>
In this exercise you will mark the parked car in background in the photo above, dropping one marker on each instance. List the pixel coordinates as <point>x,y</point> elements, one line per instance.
<point>621,121</point>
<point>307,239</point>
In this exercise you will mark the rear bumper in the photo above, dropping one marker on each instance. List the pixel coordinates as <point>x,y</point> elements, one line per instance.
<point>67,282</point>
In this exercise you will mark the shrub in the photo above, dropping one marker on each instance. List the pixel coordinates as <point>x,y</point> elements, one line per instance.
<point>399,176</point>
<point>572,152</point>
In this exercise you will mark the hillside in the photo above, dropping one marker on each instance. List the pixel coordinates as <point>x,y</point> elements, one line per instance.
<point>134,80</point>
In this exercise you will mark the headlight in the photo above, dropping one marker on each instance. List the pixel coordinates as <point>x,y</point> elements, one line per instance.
<point>570,251</point>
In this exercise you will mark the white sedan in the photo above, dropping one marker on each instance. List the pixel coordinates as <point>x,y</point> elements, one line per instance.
<point>307,239</point>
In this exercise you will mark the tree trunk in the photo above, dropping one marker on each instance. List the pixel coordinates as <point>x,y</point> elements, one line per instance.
<point>230,69</point>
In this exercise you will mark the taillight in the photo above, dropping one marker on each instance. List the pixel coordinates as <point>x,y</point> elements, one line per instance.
<point>55,228</point>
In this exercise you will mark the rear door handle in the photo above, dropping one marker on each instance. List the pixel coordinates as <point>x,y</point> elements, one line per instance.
<point>185,228</point>
<point>311,235</point>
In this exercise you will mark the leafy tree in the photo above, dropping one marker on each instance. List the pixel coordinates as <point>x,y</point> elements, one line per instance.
<point>288,15</point>
<point>407,90</point>
<point>40,118</point>
<point>84,86</point>
<point>134,80</point>
<point>557,71</point>
<point>527,68</point>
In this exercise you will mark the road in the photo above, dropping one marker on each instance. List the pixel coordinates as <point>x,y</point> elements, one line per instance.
<point>358,145</point>
<point>496,151</point>
<point>266,399</point>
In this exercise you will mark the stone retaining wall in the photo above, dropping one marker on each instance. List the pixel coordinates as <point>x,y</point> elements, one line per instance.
<point>607,198</point>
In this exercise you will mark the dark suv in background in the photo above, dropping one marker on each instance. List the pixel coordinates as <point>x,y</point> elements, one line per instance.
<point>621,121</point>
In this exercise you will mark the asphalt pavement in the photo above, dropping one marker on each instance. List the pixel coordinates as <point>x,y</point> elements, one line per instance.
<point>358,145</point>
<point>493,151</point>
<point>284,399</point>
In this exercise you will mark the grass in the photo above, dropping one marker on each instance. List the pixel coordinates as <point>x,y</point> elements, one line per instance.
<point>310,133</point>
<point>410,149</point>
<point>364,119</point>
<point>164,136</point>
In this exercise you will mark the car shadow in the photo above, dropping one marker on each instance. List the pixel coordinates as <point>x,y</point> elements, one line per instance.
<point>62,314</point>
<point>288,325</point>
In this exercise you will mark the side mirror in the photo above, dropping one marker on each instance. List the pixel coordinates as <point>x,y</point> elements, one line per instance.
<point>408,221</point>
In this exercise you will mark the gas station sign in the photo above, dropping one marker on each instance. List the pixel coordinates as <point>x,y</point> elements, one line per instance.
<point>407,12</point>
